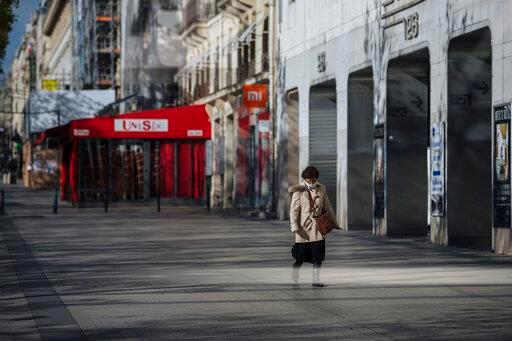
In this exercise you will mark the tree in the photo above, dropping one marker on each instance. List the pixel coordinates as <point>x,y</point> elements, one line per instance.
<point>7,18</point>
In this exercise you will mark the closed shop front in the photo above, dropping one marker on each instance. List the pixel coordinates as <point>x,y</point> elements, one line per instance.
<point>322,135</point>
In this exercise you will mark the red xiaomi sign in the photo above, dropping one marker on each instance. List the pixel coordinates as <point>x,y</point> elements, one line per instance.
<point>255,95</point>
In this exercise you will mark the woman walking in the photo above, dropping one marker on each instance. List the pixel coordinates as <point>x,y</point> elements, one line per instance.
<point>309,201</point>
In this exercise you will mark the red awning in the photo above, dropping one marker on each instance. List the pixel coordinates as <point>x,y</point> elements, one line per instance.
<point>188,122</point>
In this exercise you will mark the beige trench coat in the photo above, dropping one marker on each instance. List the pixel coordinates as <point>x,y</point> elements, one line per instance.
<point>300,218</point>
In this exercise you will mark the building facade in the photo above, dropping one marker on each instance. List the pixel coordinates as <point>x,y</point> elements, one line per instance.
<point>404,106</point>
<point>96,44</point>
<point>228,47</point>
<point>20,80</point>
<point>68,45</point>
<point>43,60</point>
<point>150,32</point>
<point>55,62</point>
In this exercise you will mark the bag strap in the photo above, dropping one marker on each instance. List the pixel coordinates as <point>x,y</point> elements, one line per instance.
<point>311,201</point>
<point>312,204</point>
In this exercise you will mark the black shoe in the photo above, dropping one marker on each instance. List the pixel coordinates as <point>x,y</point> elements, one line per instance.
<point>318,285</point>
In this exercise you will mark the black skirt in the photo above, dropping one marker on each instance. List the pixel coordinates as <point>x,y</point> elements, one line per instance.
<point>313,252</point>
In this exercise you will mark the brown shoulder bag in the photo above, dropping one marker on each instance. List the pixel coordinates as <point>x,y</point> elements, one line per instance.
<point>324,223</point>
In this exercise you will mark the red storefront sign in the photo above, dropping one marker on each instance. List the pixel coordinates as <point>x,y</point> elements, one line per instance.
<point>255,95</point>
<point>141,125</point>
<point>190,122</point>
<point>187,127</point>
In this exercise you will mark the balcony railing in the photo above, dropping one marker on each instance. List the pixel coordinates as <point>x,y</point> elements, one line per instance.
<point>246,70</point>
<point>200,91</point>
<point>169,5</point>
<point>103,10</point>
<point>197,11</point>
<point>229,78</point>
<point>240,6</point>
<point>204,90</point>
<point>265,62</point>
<point>242,72</point>
<point>104,44</point>
<point>188,97</point>
<point>104,74</point>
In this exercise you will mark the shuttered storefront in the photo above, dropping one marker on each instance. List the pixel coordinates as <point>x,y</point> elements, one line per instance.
<point>322,135</point>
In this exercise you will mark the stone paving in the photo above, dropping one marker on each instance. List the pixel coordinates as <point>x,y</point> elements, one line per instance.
<point>185,274</point>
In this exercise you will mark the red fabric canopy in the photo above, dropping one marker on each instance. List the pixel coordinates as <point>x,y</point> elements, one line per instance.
<point>188,122</point>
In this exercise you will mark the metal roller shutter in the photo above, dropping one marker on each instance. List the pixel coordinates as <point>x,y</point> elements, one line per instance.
<point>322,136</point>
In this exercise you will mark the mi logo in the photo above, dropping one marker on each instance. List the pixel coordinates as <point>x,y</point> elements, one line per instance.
<point>255,95</point>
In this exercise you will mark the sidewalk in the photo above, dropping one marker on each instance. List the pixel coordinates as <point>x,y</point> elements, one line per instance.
<point>184,273</point>
<point>16,320</point>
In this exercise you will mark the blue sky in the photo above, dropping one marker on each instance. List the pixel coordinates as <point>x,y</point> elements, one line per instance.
<point>24,13</point>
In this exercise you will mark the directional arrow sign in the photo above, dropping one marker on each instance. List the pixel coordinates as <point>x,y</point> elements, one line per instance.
<point>460,99</point>
<point>417,101</point>
<point>484,87</point>
<point>397,111</point>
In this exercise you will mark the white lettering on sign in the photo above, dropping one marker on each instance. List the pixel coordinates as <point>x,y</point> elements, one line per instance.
<point>194,133</point>
<point>81,132</point>
<point>141,125</point>
<point>254,96</point>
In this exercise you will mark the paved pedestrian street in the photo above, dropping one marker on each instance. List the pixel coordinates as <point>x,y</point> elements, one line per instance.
<point>186,274</point>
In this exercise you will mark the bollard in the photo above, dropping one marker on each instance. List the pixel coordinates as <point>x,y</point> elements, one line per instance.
<point>106,201</point>
<point>158,203</point>
<point>208,189</point>
<point>55,201</point>
<point>2,203</point>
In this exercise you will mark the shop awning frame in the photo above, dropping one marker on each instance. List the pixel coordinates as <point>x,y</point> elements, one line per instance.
<point>187,122</point>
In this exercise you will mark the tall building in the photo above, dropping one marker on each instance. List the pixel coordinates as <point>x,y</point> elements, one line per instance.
<point>152,52</point>
<point>20,80</point>
<point>55,62</point>
<point>5,122</point>
<point>228,46</point>
<point>404,106</point>
<point>96,44</point>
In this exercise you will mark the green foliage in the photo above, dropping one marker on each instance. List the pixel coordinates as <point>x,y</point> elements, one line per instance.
<point>7,18</point>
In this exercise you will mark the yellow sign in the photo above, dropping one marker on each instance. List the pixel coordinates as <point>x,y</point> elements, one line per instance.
<point>50,84</point>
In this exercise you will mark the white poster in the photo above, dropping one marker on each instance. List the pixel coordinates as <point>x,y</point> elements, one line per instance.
<point>437,168</point>
<point>502,193</point>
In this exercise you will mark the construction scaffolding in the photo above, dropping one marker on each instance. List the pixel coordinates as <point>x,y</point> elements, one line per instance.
<point>96,45</point>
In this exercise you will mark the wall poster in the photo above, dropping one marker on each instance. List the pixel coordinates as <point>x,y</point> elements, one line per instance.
<point>437,198</point>
<point>501,167</point>
<point>378,172</point>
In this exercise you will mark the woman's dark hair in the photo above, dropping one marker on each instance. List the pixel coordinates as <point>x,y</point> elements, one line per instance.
<point>310,173</point>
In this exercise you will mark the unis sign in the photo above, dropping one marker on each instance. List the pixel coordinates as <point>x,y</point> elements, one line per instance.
<point>141,125</point>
